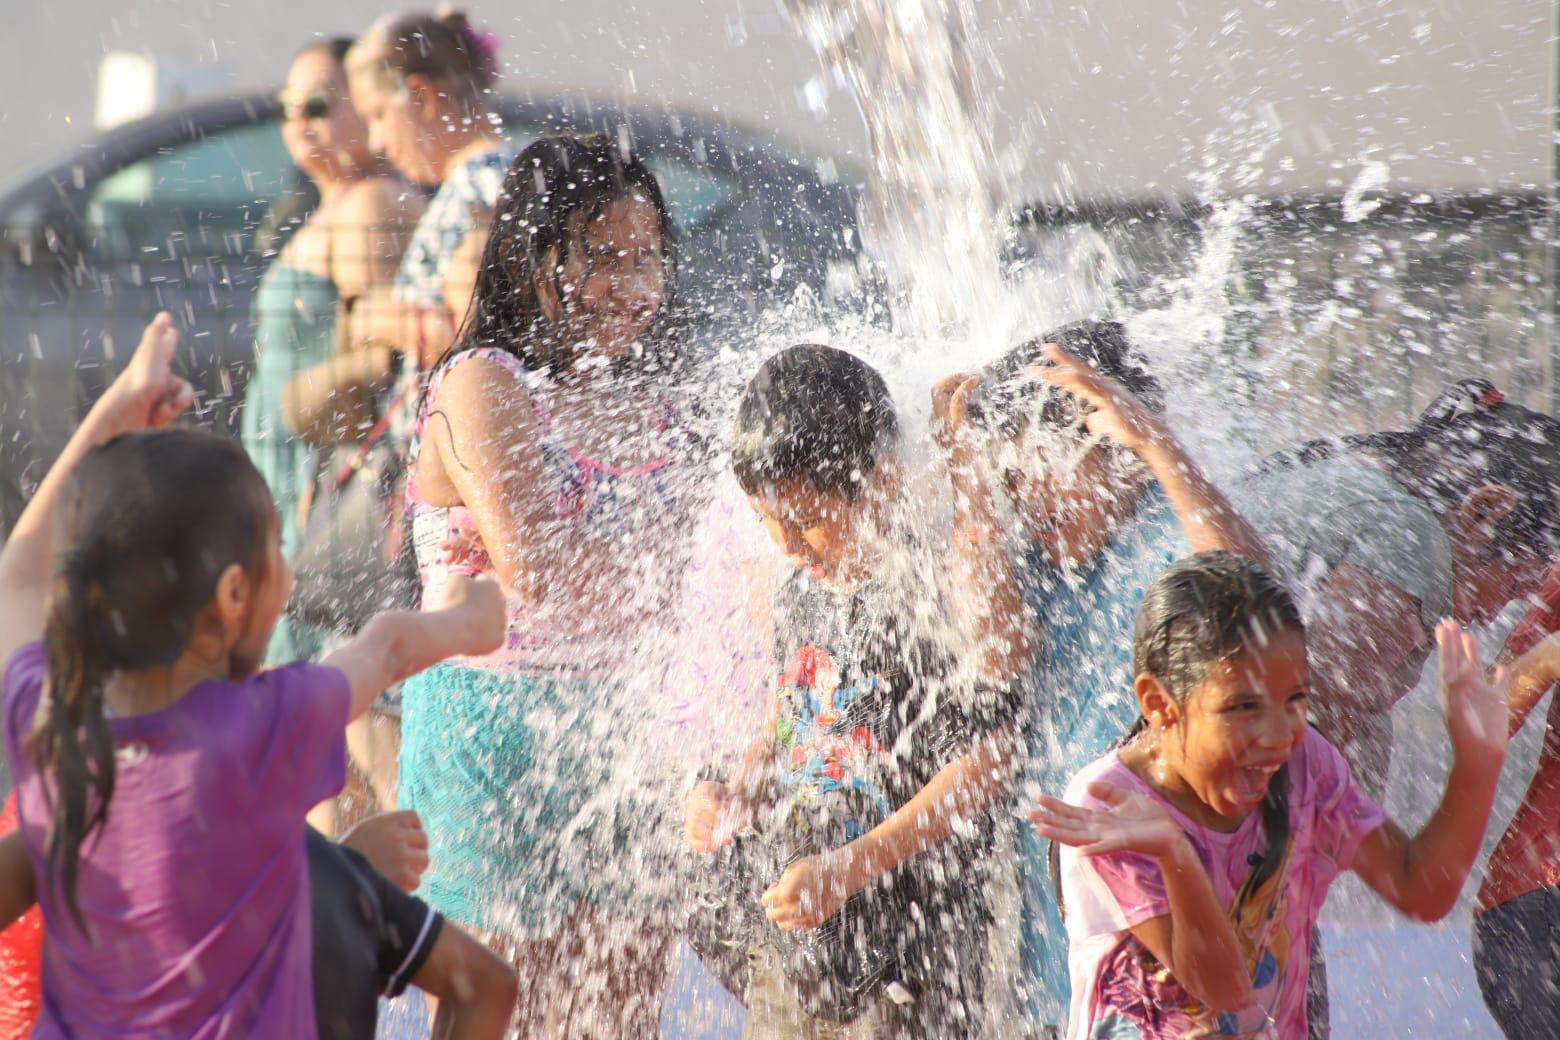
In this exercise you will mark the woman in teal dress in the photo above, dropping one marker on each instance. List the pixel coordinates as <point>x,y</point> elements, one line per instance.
<point>350,243</point>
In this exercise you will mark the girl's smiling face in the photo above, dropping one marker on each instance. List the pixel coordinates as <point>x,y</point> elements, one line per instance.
<point>613,279</point>
<point>1218,750</point>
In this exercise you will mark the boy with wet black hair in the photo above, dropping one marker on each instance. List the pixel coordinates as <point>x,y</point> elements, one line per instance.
<point>850,844</point>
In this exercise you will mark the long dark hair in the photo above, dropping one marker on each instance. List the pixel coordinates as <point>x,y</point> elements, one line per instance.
<point>151,522</point>
<point>554,189</point>
<point>1200,611</point>
<point>1469,436</point>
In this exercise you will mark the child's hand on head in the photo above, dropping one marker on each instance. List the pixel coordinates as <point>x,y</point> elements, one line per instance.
<point>807,894</point>
<point>394,843</point>
<point>951,408</point>
<point>147,395</point>
<point>1116,414</point>
<point>1133,822</point>
<point>1474,704</point>
<point>961,440</point>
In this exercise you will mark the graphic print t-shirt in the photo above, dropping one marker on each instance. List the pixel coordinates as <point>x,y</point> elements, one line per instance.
<point>1119,989</point>
<point>868,715</point>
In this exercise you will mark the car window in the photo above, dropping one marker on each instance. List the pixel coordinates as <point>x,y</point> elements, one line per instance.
<point>198,198</point>
<point>693,193</point>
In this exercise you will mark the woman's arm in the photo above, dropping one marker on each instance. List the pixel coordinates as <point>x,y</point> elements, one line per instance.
<point>337,399</point>
<point>1195,940</point>
<point>421,331</point>
<point>1207,517</point>
<point>488,442</point>
<point>460,275</point>
<point>146,395</point>
<point>1422,876</point>
<point>369,231</point>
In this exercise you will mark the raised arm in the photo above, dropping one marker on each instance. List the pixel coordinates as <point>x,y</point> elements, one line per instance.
<point>1422,876</point>
<point>1207,517</point>
<point>396,645</point>
<point>1533,674</point>
<point>1195,940</point>
<point>146,395</point>
<point>982,565</point>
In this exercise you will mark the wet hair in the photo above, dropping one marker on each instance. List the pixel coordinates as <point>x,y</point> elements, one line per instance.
<point>816,414</point>
<point>150,523</point>
<point>1008,399</point>
<point>441,46</point>
<point>1469,436</point>
<point>556,187</point>
<point>1201,610</point>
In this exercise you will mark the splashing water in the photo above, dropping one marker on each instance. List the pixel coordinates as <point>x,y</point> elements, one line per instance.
<point>933,210</point>
<point>1223,305</point>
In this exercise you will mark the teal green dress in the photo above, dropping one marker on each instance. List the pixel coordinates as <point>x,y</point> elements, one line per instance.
<point>295,327</point>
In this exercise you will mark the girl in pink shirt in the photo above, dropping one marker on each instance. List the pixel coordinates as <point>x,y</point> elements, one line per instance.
<point>1196,857</point>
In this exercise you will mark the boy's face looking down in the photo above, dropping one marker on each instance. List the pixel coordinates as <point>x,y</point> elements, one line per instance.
<point>819,531</point>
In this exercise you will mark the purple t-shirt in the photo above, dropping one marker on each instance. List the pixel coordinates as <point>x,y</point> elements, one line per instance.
<point>195,891</point>
<point>1117,985</point>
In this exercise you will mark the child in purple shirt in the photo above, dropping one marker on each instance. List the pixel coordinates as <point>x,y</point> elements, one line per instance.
<point>1196,857</point>
<point>162,782</point>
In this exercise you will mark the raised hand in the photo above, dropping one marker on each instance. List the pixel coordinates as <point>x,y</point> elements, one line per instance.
<point>394,843</point>
<point>951,407</point>
<point>1133,822</point>
<point>147,395</point>
<point>955,434</point>
<point>807,894</point>
<point>1116,414</point>
<point>1474,704</point>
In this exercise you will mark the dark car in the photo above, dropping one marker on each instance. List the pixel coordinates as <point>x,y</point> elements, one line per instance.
<point>175,212</point>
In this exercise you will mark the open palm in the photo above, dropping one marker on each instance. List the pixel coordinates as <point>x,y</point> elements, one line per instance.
<point>1131,822</point>
<point>1474,704</point>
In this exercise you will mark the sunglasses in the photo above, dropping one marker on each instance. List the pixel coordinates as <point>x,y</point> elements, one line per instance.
<point>315,106</point>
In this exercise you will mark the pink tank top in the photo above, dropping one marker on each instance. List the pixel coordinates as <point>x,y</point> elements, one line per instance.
<point>597,498</point>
